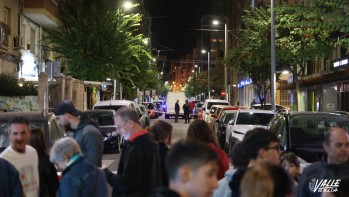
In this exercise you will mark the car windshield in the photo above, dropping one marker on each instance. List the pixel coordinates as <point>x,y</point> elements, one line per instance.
<point>228,117</point>
<point>215,103</point>
<point>4,139</point>
<point>309,129</point>
<point>103,118</point>
<point>114,107</point>
<point>250,118</point>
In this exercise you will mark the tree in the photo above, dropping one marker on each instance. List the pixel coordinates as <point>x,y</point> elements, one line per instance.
<point>96,40</point>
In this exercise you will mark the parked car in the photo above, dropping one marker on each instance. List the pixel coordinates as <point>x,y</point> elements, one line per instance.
<point>105,118</point>
<point>222,122</point>
<point>267,106</point>
<point>211,115</point>
<point>302,132</point>
<point>160,105</point>
<point>144,118</point>
<point>207,106</point>
<point>45,121</point>
<point>113,104</point>
<point>246,119</point>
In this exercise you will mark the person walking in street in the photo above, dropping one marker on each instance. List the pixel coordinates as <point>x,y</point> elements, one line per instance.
<point>84,131</point>
<point>139,171</point>
<point>23,156</point>
<point>199,130</point>
<point>177,108</point>
<point>186,110</point>
<point>10,185</point>
<point>79,177</point>
<point>336,145</point>
<point>192,168</point>
<point>47,172</point>
<point>162,132</point>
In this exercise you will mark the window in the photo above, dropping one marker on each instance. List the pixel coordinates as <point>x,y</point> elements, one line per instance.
<point>6,24</point>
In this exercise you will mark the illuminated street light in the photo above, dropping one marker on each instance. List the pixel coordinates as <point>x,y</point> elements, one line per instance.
<point>127,5</point>
<point>208,71</point>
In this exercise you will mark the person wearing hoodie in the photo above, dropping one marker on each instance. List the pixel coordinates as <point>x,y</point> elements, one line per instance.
<point>84,131</point>
<point>238,159</point>
<point>139,168</point>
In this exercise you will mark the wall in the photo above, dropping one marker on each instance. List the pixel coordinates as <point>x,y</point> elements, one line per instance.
<point>27,103</point>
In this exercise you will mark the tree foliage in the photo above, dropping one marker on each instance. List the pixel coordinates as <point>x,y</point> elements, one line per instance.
<point>96,40</point>
<point>10,87</point>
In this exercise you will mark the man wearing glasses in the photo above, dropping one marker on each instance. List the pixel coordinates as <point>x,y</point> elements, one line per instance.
<point>139,167</point>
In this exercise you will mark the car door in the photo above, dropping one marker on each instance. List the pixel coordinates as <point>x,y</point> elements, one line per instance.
<point>55,131</point>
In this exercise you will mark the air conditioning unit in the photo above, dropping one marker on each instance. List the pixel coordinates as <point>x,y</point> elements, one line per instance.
<point>18,42</point>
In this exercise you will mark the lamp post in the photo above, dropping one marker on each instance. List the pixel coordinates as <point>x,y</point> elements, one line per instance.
<point>273,61</point>
<point>208,72</point>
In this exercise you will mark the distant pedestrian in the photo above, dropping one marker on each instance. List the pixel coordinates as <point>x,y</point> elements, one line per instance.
<point>80,176</point>
<point>10,185</point>
<point>84,131</point>
<point>336,145</point>
<point>47,172</point>
<point>177,108</point>
<point>186,110</point>
<point>192,168</point>
<point>23,156</point>
<point>199,130</point>
<point>253,102</point>
<point>238,159</point>
<point>139,171</point>
<point>162,132</point>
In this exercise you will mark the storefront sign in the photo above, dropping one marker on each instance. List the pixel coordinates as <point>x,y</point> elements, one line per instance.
<point>340,63</point>
<point>246,82</point>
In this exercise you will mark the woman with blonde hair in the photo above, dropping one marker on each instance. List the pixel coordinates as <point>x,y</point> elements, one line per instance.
<point>199,130</point>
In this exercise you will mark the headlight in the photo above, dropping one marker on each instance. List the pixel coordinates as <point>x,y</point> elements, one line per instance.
<point>110,134</point>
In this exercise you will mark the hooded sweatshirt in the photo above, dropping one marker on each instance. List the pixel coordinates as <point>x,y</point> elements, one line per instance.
<point>139,168</point>
<point>223,189</point>
<point>90,140</point>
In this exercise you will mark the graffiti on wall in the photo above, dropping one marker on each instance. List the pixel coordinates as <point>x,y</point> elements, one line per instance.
<point>27,103</point>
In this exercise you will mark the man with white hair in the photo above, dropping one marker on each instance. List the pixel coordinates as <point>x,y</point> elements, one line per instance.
<point>80,176</point>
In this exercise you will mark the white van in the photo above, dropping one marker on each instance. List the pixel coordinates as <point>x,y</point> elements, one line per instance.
<point>171,101</point>
<point>113,104</point>
<point>207,106</point>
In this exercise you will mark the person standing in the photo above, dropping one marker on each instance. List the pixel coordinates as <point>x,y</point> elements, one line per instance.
<point>336,145</point>
<point>23,156</point>
<point>10,185</point>
<point>253,102</point>
<point>186,109</point>
<point>177,108</point>
<point>84,131</point>
<point>139,167</point>
<point>47,171</point>
<point>80,176</point>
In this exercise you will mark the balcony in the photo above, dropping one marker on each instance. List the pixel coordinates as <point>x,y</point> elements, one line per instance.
<point>42,12</point>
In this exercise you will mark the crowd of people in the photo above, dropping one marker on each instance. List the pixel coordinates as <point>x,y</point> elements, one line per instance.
<point>151,165</point>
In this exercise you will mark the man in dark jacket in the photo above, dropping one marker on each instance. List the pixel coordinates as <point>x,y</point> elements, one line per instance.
<point>139,166</point>
<point>80,177</point>
<point>336,145</point>
<point>10,185</point>
<point>186,109</point>
<point>84,131</point>
<point>177,108</point>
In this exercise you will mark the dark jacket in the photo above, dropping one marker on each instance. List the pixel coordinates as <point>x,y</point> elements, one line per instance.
<point>90,141</point>
<point>177,108</point>
<point>48,176</point>
<point>186,108</point>
<point>139,168</point>
<point>320,171</point>
<point>10,185</point>
<point>82,178</point>
<point>165,192</point>
<point>163,149</point>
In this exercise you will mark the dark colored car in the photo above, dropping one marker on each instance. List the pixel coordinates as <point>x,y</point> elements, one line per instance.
<point>222,123</point>
<point>302,132</point>
<point>267,106</point>
<point>105,119</point>
<point>45,121</point>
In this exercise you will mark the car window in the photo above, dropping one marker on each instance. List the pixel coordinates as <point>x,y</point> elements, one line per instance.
<point>56,132</point>
<point>309,129</point>
<point>227,117</point>
<point>114,107</point>
<point>103,119</point>
<point>250,118</point>
<point>209,104</point>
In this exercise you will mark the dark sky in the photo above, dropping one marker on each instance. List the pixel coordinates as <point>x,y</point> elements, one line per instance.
<point>176,23</point>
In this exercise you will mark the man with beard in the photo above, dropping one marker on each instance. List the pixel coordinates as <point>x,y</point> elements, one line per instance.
<point>139,167</point>
<point>84,131</point>
<point>23,156</point>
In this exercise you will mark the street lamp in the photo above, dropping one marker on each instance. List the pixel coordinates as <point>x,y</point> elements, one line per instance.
<point>208,72</point>
<point>273,61</point>
<point>196,66</point>
<point>216,22</point>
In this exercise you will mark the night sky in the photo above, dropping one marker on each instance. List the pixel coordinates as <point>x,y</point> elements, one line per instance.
<point>176,23</point>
